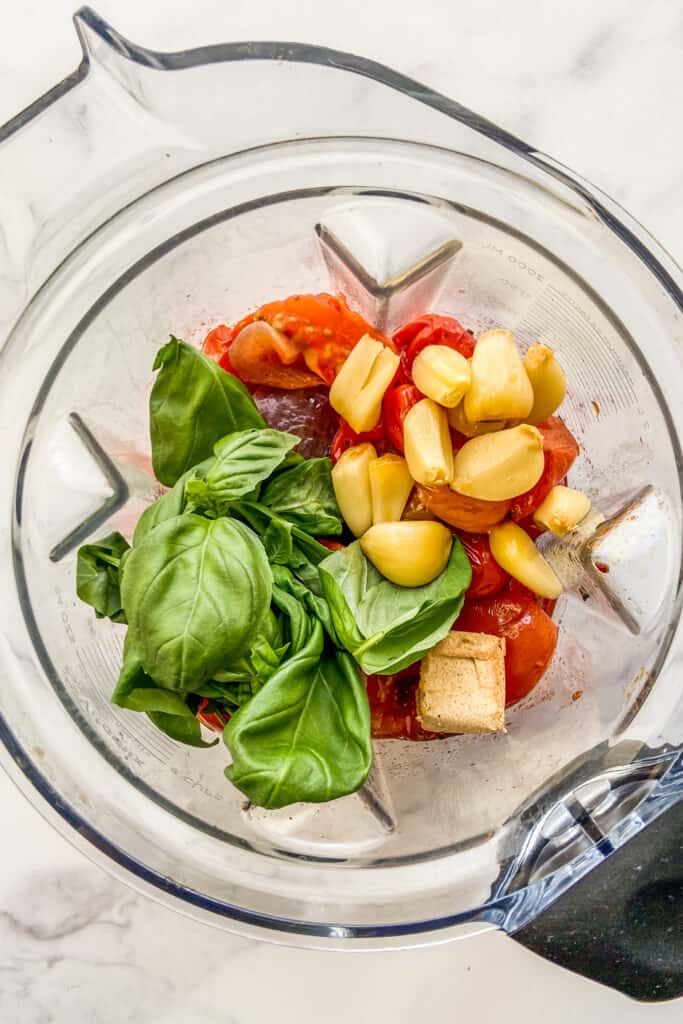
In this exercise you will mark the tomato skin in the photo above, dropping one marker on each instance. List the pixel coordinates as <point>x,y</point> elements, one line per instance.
<point>218,341</point>
<point>469,514</point>
<point>322,329</point>
<point>487,576</point>
<point>331,545</point>
<point>560,448</point>
<point>398,401</point>
<point>212,720</point>
<point>393,708</point>
<point>266,358</point>
<point>530,635</point>
<point>431,329</point>
<point>346,437</point>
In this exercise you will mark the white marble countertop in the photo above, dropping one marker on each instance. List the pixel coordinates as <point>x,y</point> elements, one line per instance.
<point>597,86</point>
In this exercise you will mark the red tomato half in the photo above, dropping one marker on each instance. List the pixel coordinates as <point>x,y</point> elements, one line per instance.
<point>431,330</point>
<point>261,355</point>
<point>560,448</point>
<point>218,341</point>
<point>530,635</point>
<point>322,331</point>
<point>398,401</point>
<point>487,576</point>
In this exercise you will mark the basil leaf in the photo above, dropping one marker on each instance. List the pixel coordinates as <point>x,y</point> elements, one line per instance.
<point>132,674</point>
<point>193,404</point>
<point>277,540</point>
<point>266,659</point>
<point>298,622</point>
<point>305,497</point>
<point>183,730</point>
<point>195,592</point>
<point>384,626</point>
<point>170,504</point>
<point>98,570</point>
<point>240,672</point>
<point>315,605</point>
<point>242,461</point>
<point>306,734</point>
<point>168,711</point>
<point>305,553</point>
<point>230,696</point>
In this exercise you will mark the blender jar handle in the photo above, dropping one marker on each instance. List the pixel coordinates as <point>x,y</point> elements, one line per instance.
<point>84,149</point>
<point>622,923</point>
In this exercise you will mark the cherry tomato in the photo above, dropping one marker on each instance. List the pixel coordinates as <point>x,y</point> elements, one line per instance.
<point>530,637</point>
<point>346,437</point>
<point>431,330</point>
<point>218,341</point>
<point>393,708</point>
<point>261,355</point>
<point>560,448</point>
<point>463,513</point>
<point>321,328</point>
<point>211,719</point>
<point>397,402</point>
<point>487,576</point>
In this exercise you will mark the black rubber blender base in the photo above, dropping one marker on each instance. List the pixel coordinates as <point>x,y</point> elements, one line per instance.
<point>622,925</point>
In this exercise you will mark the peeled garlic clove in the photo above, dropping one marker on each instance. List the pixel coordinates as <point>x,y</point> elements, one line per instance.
<point>427,443</point>
<point>500,388</point>
<point>408,553</point>
<point>562,510</point>
<point>390,487</point>
<point>459,422</point>
<point>547,381</point>
<point>442,374</point>
<point>351,482</point>
<point>517,554</point>
<point>498,466</point>
<point>358,389</point>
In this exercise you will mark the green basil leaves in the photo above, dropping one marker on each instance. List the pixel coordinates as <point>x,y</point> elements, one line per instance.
<point>193,404</point>
<point>195,593</point>
<point>237,613</point>
<point>98,571</point>
<point>384,626</point>
<point>306,734</point>
<point>241,462</point>
<point>304,496</point>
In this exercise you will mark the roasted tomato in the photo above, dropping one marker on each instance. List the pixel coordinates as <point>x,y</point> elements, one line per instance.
<point>463,513</point>
<point>397,403</point>
<point>331,545</point>
<point>431,330</point>
<point>313,336</point>
<point>530,636</point>
<point>393,708</point>
<point>218,341</point>
<point>560,448</point>
<point>211,719</point>
<point>260,354</point>
<point>346,437</point>
<point>305,412</point>
<point>487,576</point>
